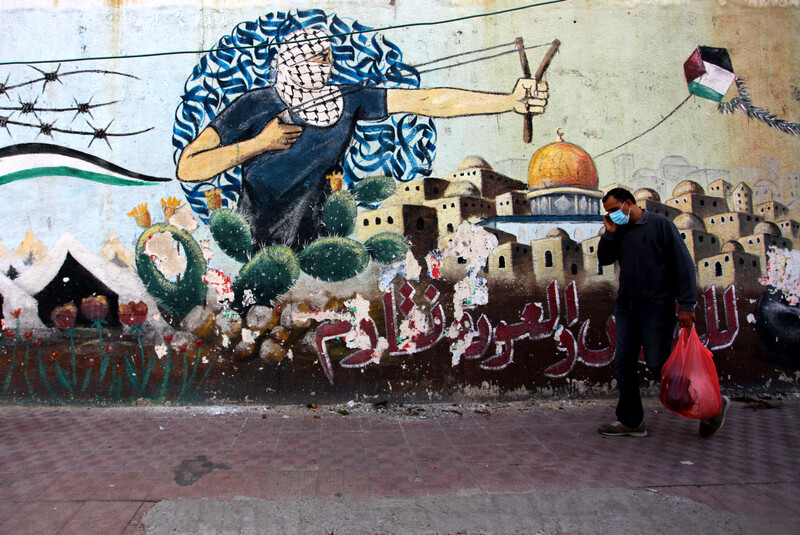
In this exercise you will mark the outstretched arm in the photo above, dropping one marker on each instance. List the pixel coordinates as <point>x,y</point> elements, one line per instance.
<point>206,157</point>
<point>527,97</point>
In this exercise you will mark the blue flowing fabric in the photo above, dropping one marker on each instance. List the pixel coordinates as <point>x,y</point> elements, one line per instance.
<point>402,146</point>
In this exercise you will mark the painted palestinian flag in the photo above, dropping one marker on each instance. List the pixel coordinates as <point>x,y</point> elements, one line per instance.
<point>35,160</point>
<point>709,72</point>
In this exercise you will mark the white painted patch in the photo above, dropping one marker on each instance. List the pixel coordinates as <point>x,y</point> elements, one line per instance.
<point>161,350</point>
<point>248,337</point>
<point>751,318</point>
<point>162,248</point>
<point>183,218</point>
<point>783,273</point>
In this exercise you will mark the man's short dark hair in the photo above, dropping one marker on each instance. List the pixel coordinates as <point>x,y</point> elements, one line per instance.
<point>621,194</point>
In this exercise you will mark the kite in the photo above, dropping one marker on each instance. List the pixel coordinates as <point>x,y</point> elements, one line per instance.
<point>709,74</point>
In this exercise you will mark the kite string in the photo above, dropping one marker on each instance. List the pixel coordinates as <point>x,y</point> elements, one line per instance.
<point>667,116</point>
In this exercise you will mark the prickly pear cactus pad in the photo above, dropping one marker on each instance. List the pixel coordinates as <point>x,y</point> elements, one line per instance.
<point>387,247</point>
<point>271,273</point>
<point>333,259</point>
<point>339,213</point>
<point>181,296</point>
<point>373,189</point>
<point>232,233</point>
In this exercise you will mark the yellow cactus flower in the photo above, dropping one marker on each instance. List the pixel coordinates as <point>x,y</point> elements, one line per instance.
<point>170,206</point>
<point>142,215</point>
<point>214,199</point>
<point>336,181</point>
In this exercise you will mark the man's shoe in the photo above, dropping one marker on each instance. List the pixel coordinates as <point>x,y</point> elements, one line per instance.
<point>618,429</point>
<point>711,426</point>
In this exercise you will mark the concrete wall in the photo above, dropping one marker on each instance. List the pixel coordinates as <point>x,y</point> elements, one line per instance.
<point>114,288</point>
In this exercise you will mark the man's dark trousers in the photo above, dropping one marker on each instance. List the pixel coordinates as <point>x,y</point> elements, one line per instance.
<point>648,324</point>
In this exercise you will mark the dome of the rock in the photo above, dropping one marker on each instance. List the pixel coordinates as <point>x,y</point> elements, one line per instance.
<point>561,164</point>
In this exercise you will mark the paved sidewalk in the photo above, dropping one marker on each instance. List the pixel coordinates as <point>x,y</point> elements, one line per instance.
<point>178,470</point>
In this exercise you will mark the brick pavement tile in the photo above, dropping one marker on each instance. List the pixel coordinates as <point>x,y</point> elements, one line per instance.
<point>500,419</point>
<point>380,425</point>
<point>420,424</point>
<point>390,459</point>
<point>394,438</point>
<point>270,423</point>
<point>427,438</point>
<point>562,432</point>
<point>297,441</point>
<point>135,525</point>
<point>38,517</point>
<point>123,486</point>
<point>70,486</point>
<point>550,477</point>
<point>343,483</point>
<point>166,488</point>
<point>343,458</point>
<point>446,480</point>
<point>510,434</point>
<point>226,485</point>
<point>24,486</point>
<point>290,485</point>
<point>241,461</point>
<point>341,439</point>
<point>436,456</point>
<point>394,483</point>
<point>262,440</point>
<point>294,459</point>
<point>339,425</point>
<point>468,436</point>
<point>500,478</point>
<point>303,424</point>
<point>494,454</point>
<point>465,420</point>
<point>101,518</point>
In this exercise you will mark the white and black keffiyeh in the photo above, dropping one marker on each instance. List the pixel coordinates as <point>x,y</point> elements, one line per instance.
<point>301,84</point>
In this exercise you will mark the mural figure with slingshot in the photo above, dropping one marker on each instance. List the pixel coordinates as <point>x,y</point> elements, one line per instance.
<point>318,97</point>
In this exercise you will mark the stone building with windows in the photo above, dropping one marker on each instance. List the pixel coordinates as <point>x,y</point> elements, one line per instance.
<point>765,235</point>
<point>742,198</point>
<point>689,196</point>
<point>731,266</point>
<point>649,199</point>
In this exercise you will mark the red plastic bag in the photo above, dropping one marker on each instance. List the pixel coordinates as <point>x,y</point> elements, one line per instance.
<point>689,382</point>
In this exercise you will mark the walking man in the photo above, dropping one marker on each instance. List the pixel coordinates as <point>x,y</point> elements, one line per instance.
<point>655,271</point>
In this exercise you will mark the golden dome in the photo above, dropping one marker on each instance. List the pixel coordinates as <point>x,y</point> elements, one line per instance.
<point>561,164</point>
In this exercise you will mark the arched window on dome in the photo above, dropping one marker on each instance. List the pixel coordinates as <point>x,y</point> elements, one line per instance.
<point>449,227</point>
<point>548,259</point>
<point>718,269</point>
<point>501,262</point>
<point>574,269</point>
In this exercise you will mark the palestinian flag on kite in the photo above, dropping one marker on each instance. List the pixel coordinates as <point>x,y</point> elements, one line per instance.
<point>709,72</point>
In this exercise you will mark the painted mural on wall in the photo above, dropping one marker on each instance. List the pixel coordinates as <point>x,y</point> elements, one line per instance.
<point>300,237</point>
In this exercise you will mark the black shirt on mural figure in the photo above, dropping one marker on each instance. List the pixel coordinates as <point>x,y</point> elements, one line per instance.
<point>283,191</point>
<point>654,263</point>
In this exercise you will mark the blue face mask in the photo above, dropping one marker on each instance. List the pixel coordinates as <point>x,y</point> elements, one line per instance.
<point>619,217</point>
